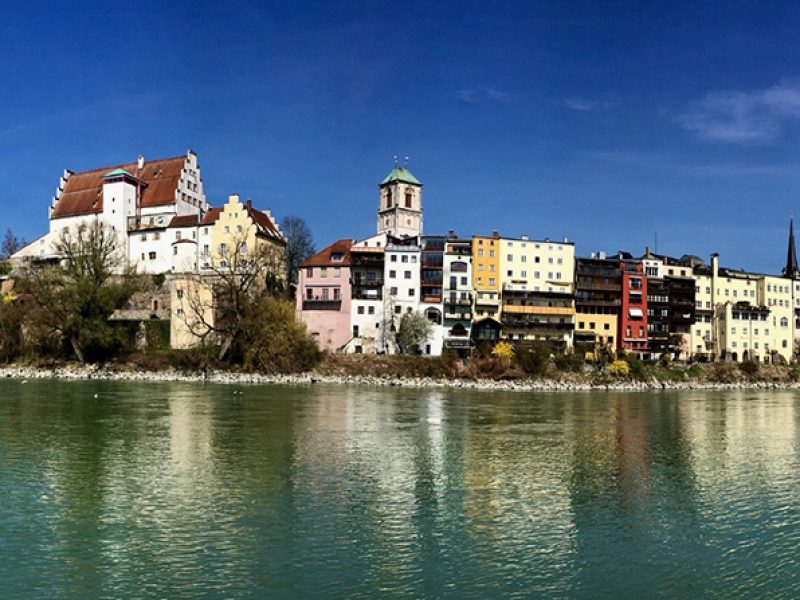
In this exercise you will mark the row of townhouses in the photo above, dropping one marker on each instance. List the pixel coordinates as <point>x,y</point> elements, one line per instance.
<point>164,226</point>
<point>485,288</point>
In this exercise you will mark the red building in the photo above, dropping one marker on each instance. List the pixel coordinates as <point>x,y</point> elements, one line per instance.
<point>632,321</point>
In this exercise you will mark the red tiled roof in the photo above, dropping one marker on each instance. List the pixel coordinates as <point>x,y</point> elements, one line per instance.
<point>265,224</point>
<point>83,193</point>
<point>184,221</point>
<point>211,216</point>
<point>323,257</point>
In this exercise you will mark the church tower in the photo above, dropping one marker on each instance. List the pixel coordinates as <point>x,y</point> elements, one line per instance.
<point>791,270</point>
<point>400,207</point>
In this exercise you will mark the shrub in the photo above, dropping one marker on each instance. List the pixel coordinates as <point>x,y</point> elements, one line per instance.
<point>749,367</point>
<point>620,368</point>
<point>534,360</point>
<point>273,341</point>
<point>569,362</point>
<point>504,351</point>
<point>636,367</point>
<point>694,371</point>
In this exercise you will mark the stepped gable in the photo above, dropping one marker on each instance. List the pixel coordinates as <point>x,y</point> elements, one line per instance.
<point>83,192</point>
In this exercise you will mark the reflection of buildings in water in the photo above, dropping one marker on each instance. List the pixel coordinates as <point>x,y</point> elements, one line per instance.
<point>739,437</point>
<point>190,428</point>
<point>517,497</point>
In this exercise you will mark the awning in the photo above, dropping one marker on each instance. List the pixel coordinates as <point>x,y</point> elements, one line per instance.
<point>635,313</point>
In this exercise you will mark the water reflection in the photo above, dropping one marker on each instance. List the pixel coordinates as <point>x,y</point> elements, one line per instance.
<point>187,490</point>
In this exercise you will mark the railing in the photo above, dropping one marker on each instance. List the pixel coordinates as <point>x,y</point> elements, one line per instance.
<point>458,316</point>
<point>378,282</point>
<point>458,301</point>
<point>603,287</point>
<point>322,304</point>
<point>591,302</point>
<point>357,295</point>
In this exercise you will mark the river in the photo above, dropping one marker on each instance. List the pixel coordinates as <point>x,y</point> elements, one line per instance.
<point>173,490</point>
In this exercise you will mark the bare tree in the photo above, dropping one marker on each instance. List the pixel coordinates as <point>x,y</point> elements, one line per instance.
<point>215,303</point>
<point>299,245</point>
<point>72,300</point>
<point>11,244</point>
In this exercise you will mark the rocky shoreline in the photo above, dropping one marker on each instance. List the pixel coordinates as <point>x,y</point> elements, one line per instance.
<point>79,372</point>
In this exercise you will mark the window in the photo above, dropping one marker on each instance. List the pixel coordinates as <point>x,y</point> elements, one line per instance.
<point>392,274</point>
<point>398,310</point>
<point>404,258</point>
<point>337,294</point>
<point>337,272</point>
<point>177,235</point>
<point>393,258</point>
<point>371,310</point>
<point>309,270</point>
<point>323,272</point>
<point>223,248</point>
<point>144,237</point>
<point>480,251</point>
<point>179,294</point>
<point>393,291</point>
<point>152,256</point>
<point>179,312</point>
<point>412,292</point>
<point>510,257</point>
<point>239,228</point>
<point>156,236</point>
<point>360,310</point>
<point>491,253</point>
<point>409,196</point>
<point>243,248</point>
<point>227,229</point>
<point>491,281</point>
<point>407,274</point>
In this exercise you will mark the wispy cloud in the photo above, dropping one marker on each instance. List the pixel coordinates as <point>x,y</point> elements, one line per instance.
<point>480,94</point>
<point>664,162</point>
<point>584,105</point>
<point>744,116</point>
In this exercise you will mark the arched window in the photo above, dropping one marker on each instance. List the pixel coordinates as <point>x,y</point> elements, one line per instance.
<point>434,316</point>
<point>388,198</point>
<point>409,197</point>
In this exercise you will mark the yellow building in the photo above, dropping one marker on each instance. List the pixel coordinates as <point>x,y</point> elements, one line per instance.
<point>751,315</point>
<point>242,235</point>
<point>537,286</point>
<point>486,275</point>
<point>236,241</point>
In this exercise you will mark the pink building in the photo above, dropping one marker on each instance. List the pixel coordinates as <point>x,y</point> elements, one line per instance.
<point>323,295</point>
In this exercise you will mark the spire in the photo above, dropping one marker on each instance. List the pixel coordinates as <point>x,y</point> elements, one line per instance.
<point>791,269</point>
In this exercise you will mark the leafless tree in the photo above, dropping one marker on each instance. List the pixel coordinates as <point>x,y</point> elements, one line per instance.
<point>11,244</point>
<point>216,301</point>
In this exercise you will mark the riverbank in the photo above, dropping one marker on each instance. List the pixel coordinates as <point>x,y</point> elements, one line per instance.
<point>575,383</point>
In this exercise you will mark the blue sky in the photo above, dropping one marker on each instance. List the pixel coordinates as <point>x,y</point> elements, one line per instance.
<point>603,122</point>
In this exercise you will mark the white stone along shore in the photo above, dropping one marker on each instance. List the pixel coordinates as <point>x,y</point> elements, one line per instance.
<point>83,372</point>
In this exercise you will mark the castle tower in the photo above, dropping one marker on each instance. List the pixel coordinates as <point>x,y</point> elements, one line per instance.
<point>400,205</point>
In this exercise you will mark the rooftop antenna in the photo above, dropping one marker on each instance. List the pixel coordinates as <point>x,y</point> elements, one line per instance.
<point>406,165</point>
<point>395,160</point>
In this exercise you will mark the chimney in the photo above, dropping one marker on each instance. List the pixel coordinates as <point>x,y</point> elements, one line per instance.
<point>495,234</point>
<point>647,251</point>
<point>525,236</point>
<point>249,203</point>
<point>140,163</point>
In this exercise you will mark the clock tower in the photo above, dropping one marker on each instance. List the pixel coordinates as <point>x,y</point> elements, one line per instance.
<point>400,204</point>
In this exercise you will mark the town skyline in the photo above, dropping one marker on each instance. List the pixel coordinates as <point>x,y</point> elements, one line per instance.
<point>525,119</point>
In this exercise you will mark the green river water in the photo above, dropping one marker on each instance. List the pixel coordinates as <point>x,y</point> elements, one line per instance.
<point>168,490</point>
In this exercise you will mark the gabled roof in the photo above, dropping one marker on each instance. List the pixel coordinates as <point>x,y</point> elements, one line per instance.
<point>400,174</point>
<point>323,257</point>
<point>211,216</point>
<point>266,226</point>
<point>83,192</point>
<point>184,221</point>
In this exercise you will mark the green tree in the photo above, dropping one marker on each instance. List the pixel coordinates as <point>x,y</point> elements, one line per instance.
<point>71,301</point>
<point>274,341</point>
<point>414,329</point>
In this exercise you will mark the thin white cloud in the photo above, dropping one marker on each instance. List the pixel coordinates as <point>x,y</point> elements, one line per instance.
<point>484,93</point>
<point>744,116</point>
<point>584,105</point>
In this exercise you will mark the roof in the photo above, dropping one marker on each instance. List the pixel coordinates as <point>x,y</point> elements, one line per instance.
<point>83,192</point>
<point>116,172</point>
<point>184,221</point>
<point>323,257</point>
<point>211,216</point>
<point>266,226</point>
<point>400,174</point>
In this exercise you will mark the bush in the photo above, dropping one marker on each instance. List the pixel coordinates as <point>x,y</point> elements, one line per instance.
<point>636,367</point>
<point>274,342</point>
<point>694,371</point>
<point>620,368</point>
<point>503,351</point>
<point>157,334</point>
<point>534,360</point>
<point>749,367</point>
<point>571,362</point>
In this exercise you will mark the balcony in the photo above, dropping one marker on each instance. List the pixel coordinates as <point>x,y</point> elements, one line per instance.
<point>322,304</point>
<point>458,301</point>
<point>538,310</point>
<point>367,294</point>
<point>432,264</point>
<point>592,302</point>
<point>362,282</point>
<point>536,324</point>
<point>458,315</point>
<point>486,301</point>
<point>603,287</point>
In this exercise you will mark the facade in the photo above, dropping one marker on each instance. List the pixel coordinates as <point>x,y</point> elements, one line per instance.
<point>632,322</point>
<point>431,290</point>
<point>457,294</point>
<point>323,299</point>
<point>367,312</point>
<point>141,196</point>
<point>538,293</point>
<point>598,298</point>
<point>486,277</point>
